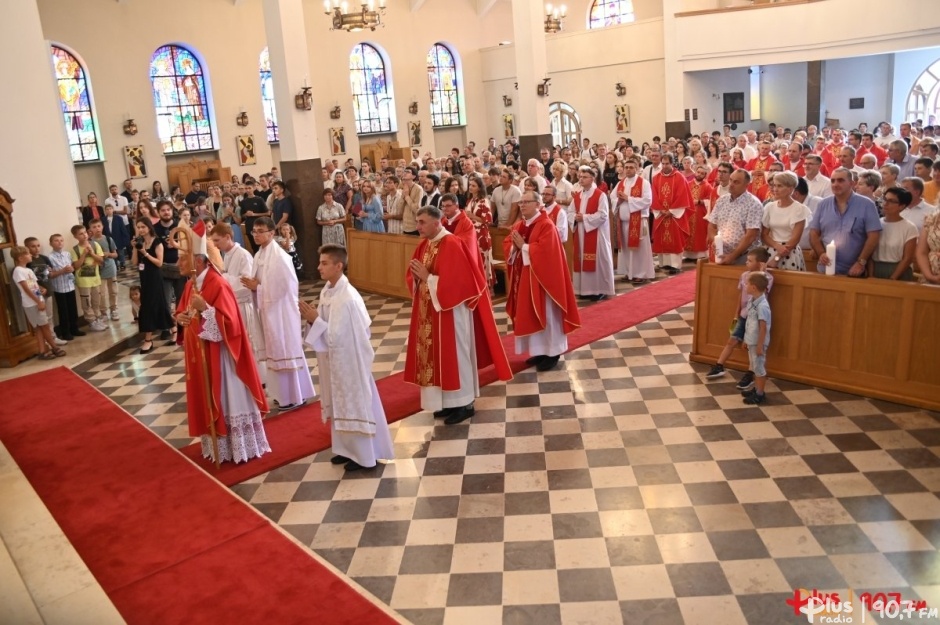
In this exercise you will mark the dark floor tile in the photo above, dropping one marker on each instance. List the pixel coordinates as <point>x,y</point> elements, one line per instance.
<point>481,416</point>
<point>347,511</point>
<point>468,589</point>
<point>628,408</point>
<point>523,428</point>
<point>773,514</point>
<point>247,491</point>
<point>590,397</point>
<point>522,401</point>
<point>576,525</point>
<point>743,469</point>
<point>436,507</point>
<point>823,464</point>
<point>486,446</point>
<point>930,528</point>
<point>642,371</point>
<point>271,510</point>
<point>634,352</point>
<point>532,614</point>
<point>303,533</point>
<point>483,483</point>
<point>340,558</point>
<point>929,437</point>
<point>586,585</point>
<point>479,530</point>
<point>770,447</point>
<point>870,509</point>
<point>672,420</point>
<point>527,503</point>
<point>710,493</point>
<point>584,374</point>
<point>381,587</point>
<point>702,579</point>
<point>618,384</point>
<point>651,612</point>
<point>657,392</point>
<point>915,458</point>
<point>640,438</point>
<point>747,415</point>
<point>693,404</point>
<point>288,473</point>
<point>529,555</point>
<point>561,386</point>
<point>525,462</point>
<point>689,452</point>
<point>598,424</point>
<point>384,533</point>
<point>426,559</point>
<point>618,498</point>
<point>444,466</point>
<point>633,550</point>
<point>654,474</point>
<point>805,487</point>
<point>888,407</point>
<point>674,520</point>
<point>842,539</point>
<point>716,433</point>
<point>563,442</point>
<point>607,458</point>
<point>816,411</point>
<point>564,479</point>
<point>796,427</point>
<point>856,441</point>
<point>738,545</point>
<point>558,412</point>
<point>396,487</point>
<point>766,609</point>
<point>875,423</point>
<point>813,572</point>
<point>895,482</point>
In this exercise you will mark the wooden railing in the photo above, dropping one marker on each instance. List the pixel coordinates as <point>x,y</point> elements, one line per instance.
<point>877,338</point>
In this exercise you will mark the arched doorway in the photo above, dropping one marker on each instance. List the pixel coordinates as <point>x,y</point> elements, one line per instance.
<point>565,123</point>
<point>922,98</point>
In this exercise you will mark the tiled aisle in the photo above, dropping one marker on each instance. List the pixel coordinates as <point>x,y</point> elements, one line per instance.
<point>620,487</point>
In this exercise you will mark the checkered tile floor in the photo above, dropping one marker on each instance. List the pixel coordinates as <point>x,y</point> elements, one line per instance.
<point>621,487</point>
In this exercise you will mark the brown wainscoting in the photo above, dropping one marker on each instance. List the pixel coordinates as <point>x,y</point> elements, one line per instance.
<point>877,338</point>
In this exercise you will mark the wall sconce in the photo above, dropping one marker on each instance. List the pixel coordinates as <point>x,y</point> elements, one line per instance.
<point>304,100</point>
<point>543,88</point>
<point>507,101</point>
<point>413,108</point>
<point>242,119</point>
<point>335,112</point>
<point>130,128</point>
<point>621,90</point>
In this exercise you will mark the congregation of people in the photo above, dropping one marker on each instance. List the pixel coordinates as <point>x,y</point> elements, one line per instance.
<point>849,202</point>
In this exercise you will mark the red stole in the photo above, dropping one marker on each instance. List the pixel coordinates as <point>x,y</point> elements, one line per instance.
<point>635,225</point>
<point>201,356</point>
<point>586,259</point>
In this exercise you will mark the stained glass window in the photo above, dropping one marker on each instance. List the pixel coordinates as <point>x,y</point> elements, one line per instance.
<point>180,99</point>
<point>442,83</point>
<point>76,106</point>
<point>372,102</point>
<point>610,13</point>
<point>267,96</point>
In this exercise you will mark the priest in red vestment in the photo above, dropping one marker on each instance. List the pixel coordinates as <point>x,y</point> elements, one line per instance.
<point>832,153</point>
<point>541,301</point>
<point>764,158</point>
<point>793,159</point>
<point>697,244</point>
<point>453,332</point>
<point>671,204</point>
<point>224,396</point>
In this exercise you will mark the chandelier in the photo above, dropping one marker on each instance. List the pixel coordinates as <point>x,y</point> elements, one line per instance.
<point>554,18</point>
<point>354,21</point>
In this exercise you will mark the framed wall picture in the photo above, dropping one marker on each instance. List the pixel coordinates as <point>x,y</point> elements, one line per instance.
<point>135,161</point>
<point>246,150</point>
<point>414,133</point>
<point>622,113</point>
<point>509,125</point>
<point>337,141</point>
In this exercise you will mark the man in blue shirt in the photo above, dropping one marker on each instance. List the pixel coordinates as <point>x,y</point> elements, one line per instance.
<point>851,221</point>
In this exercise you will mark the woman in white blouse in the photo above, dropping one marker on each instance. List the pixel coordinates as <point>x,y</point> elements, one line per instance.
<point>561,184</point>
<point>783,223</point>
<point>897,244</point>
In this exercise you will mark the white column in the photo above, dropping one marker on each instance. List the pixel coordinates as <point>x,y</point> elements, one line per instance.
<point>528,19</point>
<point>35,164</point>
<point>287,48</point>
<point>675,79</point>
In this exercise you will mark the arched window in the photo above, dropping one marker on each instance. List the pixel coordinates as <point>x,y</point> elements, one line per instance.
<point>565,123</point>
<point>442,83</point>
<point>76,106</point>
<point>922,101</point>
<point>372,98</point>
<point>267,96</point>
<point>610,13</point>
<point>181,101</point>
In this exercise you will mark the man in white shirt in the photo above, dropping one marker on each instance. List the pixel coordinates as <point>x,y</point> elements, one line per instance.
<point>655,166</point>
<point>819,185</point>
<point>506,200</point>
<point>555,211</point>
<point>899,154</point>
<point>847,160</point>
<point>534,169</point>
<point>918,209</point>
<point>752,150</point>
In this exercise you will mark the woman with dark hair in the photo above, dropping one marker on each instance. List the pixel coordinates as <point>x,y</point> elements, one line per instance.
<point>452,185</point>
<point>450,167</point>
<point>610,170</point>
<point>897,245</point>
<point>682,150</point>
<point>148,257</point>
<point>712,154</point>
<point>156,192</point>
<point>481,214</point>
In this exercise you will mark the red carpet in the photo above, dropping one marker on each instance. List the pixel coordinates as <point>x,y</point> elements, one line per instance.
<point>167,543</point>
<point>301,432</point>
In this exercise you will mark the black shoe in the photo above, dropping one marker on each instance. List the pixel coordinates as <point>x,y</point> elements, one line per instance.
<point>547,363</point>
<point>755,399</point>
<point>638,281</point>
<point>78,333</point>
<point>148,349</point>
<point>352,465</point>
<point>600,297</point>
<point>446,412</point>
<point>747,382</point>
<point>715,372</point>
<point>67,338</point>
<point>749,392</point>
<point>460,415</point>
<point>164,335</point>
<point>534,360</point>
<point>339,460</point>
<point>672,271</point>
<point>289,407</point>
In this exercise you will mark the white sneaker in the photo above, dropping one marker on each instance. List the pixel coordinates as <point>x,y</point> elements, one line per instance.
<point>114,315</point>
<point>59,341</point>
<point>97,326</point>
<point>103,320</point>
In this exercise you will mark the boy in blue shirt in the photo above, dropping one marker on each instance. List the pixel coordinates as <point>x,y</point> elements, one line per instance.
<point>757,334</point>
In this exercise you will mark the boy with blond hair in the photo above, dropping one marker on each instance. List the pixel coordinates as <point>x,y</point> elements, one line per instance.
<point>34,304</point>
<point>86,258</point>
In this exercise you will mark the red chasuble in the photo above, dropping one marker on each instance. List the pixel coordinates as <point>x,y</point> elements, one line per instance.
<point>547,273</point>
<point>761,163</point>
<point>204,405</point>
<point>698,227</point>
<point>798,169</point>
<point>832,156</point>
<point>669,232</point>
<point>586,260</point>
<point>432,345</point>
